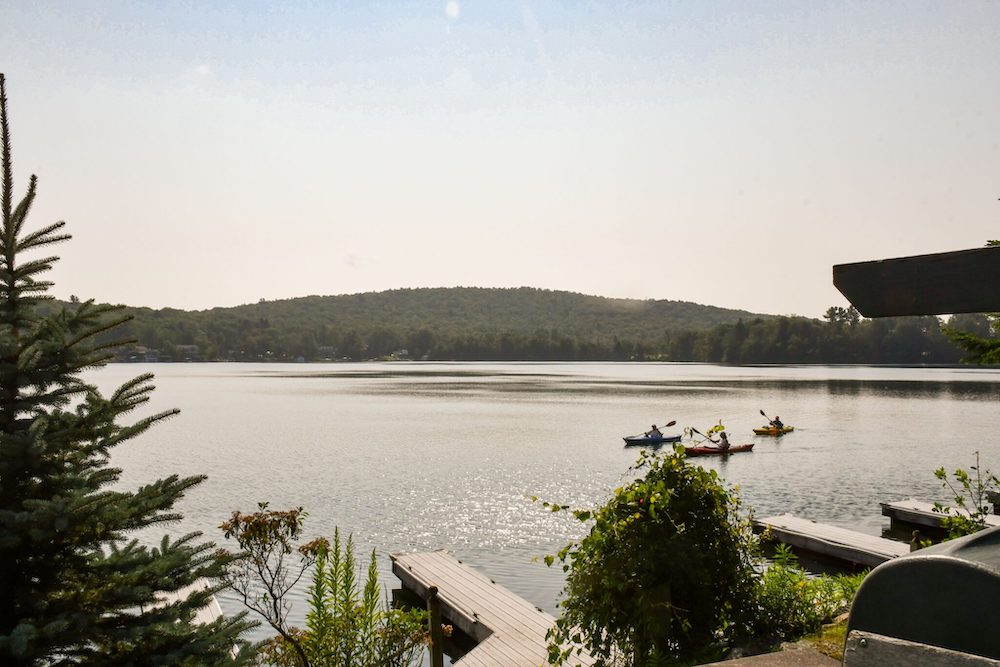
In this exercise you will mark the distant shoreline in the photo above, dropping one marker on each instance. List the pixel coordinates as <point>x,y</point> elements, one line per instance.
<point>575,363</point>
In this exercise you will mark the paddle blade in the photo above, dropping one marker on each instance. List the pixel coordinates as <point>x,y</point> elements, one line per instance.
<point>670,423</point>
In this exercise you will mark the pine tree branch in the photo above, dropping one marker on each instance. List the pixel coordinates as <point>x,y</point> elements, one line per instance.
<point>21,212</point>
<point>8,174</point>
<point>33,267</point>
<point>42,237</point>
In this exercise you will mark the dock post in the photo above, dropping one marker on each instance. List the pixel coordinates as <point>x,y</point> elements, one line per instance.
<point>437,636</point>
<point>993,498</point>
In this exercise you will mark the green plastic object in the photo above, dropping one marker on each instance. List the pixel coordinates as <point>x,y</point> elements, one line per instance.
<point>945,595</point>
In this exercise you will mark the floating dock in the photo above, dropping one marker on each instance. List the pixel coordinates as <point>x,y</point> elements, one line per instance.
<point>508,629</point>
<point>912,512</point>
<point>833,542</point>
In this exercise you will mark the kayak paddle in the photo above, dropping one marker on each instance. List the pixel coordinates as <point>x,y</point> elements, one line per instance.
<point>669,423</point>
<point>694,430</point>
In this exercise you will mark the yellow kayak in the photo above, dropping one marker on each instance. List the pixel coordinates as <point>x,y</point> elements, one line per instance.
<point>770,430</point>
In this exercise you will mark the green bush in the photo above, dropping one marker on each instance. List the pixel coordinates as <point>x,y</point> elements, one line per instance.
<point>791,603</point>
<point>670,573</point>
<point>665,571</point>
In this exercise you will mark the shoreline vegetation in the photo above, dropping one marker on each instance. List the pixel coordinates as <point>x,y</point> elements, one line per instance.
<point>525,324</point>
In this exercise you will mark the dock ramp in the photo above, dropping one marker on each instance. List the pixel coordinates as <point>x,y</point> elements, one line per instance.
<point>510,631</point>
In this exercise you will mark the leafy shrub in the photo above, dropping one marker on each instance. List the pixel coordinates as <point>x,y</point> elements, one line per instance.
<point>665,571</point>
<point>670,572</point>
<point>791,603</point>
<point>971,496</point>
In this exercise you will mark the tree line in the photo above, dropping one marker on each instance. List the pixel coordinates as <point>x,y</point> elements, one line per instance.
<point>842,337</point>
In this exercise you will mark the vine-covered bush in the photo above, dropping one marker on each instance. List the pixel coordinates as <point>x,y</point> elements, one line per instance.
<point>665,571</point>
<point>671,573</point>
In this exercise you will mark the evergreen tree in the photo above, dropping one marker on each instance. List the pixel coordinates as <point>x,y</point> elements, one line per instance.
<point>74,587</point>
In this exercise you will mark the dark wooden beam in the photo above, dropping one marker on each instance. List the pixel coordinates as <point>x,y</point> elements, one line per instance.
<point>966,281</point>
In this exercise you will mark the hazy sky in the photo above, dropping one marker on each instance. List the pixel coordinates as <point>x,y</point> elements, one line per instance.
<point>211,154</point>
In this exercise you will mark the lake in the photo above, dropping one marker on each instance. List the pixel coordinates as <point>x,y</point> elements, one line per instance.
<point>419,456</point>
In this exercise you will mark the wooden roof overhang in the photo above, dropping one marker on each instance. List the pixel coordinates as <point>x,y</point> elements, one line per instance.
<point>965,281</point>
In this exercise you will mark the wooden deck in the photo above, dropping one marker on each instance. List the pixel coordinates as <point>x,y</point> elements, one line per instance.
<point>510,631</point>
<point>842,544</point>
<point>918,513</point>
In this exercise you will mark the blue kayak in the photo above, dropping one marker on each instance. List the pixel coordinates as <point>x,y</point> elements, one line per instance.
<point>651,440</point>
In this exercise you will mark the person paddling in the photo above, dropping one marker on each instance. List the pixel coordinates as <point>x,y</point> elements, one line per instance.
<point>654,432</point>
<point>723,443</point>
<point>776,423</point>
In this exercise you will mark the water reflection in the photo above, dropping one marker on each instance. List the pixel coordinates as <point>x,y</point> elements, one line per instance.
<point>982,391</point>
<point>442,382</point>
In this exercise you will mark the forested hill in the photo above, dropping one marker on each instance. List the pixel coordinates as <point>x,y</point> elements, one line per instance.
<point>522,310</point>
<point>459,322</point>
<point>524,324</point>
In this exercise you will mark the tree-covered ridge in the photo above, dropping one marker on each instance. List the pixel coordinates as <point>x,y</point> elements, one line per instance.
<point>461,322</point>
<point>524,324</point>
<point>479,309</point>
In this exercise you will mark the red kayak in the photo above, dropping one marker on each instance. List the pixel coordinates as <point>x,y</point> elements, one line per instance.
<point>698,450</point>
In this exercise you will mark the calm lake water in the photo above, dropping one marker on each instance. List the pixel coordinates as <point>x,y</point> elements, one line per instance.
<point>417,456</point>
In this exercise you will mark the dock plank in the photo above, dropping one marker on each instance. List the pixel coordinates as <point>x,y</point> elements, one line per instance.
<point>835,542</point>
<point>510,630</point>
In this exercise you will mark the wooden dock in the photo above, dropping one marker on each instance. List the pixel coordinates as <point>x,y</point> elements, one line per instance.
<point>914,512</point>
<point>842,544</point>
<point>508,629</point>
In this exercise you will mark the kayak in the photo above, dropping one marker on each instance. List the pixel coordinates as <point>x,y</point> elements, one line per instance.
<point>651,440</point>
<point>699,450</point>
<point>770,430</point>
